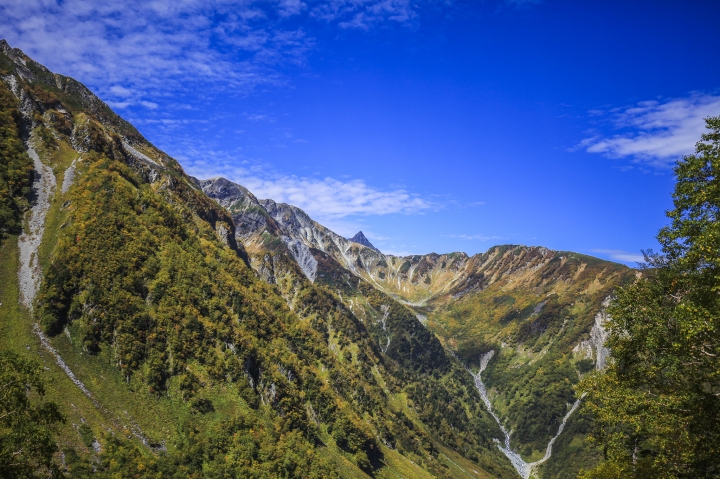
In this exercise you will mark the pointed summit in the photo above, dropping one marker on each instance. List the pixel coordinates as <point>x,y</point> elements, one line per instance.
<point>360,238</point>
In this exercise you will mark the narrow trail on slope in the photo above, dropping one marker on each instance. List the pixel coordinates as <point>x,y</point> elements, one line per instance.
<point>525,469</point>
<point>29,274</point>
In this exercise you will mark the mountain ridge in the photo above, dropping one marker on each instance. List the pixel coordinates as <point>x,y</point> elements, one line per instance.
<point>177,302</point>
<point>524,307</point>
<point>147,300</point>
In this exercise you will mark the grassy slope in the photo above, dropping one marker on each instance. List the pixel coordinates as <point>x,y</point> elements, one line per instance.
<point>435,370</point>
<point>121,407</point>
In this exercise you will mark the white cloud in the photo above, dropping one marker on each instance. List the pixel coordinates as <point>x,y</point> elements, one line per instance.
<point>329,197</point>
<point>258,117</point>
<point>121,91</point>
<point>657,133</point>
<point>364,14</point>
<point>327,200</point>
<point>120,48</point>
<point>620,255</point>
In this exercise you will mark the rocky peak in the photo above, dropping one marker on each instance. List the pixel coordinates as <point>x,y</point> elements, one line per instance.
<point>226,192</point>
<point>360,238</point>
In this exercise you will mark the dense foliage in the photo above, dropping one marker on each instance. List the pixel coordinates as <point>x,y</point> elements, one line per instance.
<point>27,442</point>
<point>539,320</point>
<point>15,165</point>
<point>248,446</point>
<point>440,392</point>
<point>145,277</point>
<point>657,408</point>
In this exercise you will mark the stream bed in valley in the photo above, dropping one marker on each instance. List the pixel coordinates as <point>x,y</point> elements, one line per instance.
<point>525,469</point>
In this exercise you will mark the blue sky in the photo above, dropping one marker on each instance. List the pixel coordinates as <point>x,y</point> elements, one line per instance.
<point>430,125</point>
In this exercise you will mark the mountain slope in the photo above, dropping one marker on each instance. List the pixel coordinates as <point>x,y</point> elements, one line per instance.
<point>170,355</point>
<point>530,316</point>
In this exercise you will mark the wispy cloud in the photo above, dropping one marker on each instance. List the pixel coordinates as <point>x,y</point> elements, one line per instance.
<point>135,48</point>
<point>325,199</point>
<point>620,255</point>
<point>656,133</point>
<point>475,237</point>
<point>127,49</point>
<point>364,14</point>
<point>332,198</point>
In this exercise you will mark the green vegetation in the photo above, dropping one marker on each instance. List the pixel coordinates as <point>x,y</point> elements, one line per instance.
<point>129,273</point>
<point>15,166</point>
<point>656,408</point>
<point>193,366</point>
<point>27,441</point>
<point>248,445</point>
<point>532,321</point>
<point>436,405</point>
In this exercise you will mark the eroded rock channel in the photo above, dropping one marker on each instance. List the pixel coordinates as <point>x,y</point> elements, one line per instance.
<point>525,469</point>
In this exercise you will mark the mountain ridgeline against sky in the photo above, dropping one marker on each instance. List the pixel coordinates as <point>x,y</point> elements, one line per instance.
<point>360,238</point>
<point>537,313</point>
<point>191,329</point>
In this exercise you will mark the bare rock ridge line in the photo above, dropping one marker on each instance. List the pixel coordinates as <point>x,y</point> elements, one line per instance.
<point>414,280</point>
<point>525,469</point>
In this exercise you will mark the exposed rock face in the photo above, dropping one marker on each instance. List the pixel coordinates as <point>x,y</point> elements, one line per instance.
<point>249,216</point>
<point>29,272</point>
<point>360,238</point>
<point>417,280</point>
<point>594,348</point>
<point>303,257</point>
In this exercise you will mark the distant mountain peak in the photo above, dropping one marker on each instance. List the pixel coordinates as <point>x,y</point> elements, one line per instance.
<point>360,238</point>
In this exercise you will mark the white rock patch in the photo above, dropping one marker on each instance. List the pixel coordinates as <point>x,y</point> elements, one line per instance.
<point>303,257</point>
<point>69,178</point>
<point>137,154</point>
<point>595,346</point>
<point>29,242</point>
